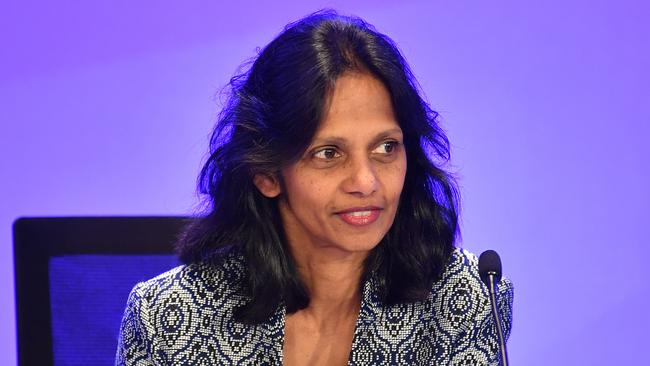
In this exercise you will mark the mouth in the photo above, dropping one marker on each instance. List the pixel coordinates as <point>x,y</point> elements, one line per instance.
<point>360,216</point>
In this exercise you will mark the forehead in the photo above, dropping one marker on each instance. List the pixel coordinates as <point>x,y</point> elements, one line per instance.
<point>359,102</point>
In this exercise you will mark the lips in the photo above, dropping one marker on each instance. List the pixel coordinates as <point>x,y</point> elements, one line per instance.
<point>360,216</point>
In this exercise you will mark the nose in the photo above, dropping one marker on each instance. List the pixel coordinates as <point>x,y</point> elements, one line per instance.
<point>360,177</point>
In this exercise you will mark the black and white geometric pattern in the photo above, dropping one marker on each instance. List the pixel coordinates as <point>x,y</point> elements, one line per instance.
<point>185,317</point>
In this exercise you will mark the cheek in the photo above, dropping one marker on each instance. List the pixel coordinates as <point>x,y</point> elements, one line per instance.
<point>315,186</point>
<point>306,189</point>
<point>394,179</point>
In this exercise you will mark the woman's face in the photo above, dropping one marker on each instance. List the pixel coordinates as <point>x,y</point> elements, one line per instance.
<point>342,195</point>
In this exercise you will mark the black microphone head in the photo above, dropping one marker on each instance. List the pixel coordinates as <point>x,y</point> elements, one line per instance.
<point>489,263</point>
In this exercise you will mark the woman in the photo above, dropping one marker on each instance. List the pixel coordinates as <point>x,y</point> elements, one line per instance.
<point>329,238</point>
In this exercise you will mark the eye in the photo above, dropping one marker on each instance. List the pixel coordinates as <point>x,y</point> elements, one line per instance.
<point>386,147</point>
<point>327,153</point>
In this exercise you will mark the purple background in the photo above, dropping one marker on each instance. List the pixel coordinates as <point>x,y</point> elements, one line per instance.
<point>106,108</point>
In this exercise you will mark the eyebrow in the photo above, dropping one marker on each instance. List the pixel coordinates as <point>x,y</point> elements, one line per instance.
<point>337,140</point>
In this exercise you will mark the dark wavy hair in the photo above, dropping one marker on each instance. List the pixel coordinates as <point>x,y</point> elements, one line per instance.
<point>268,122</point>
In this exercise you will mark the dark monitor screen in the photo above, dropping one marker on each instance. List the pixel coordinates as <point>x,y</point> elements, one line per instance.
<point>88,294</point>
<point>73,277</point>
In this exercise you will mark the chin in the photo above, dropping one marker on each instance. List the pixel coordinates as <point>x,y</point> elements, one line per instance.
<point>359,244</point>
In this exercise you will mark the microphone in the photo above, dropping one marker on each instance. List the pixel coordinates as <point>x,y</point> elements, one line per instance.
<point>489,268</point>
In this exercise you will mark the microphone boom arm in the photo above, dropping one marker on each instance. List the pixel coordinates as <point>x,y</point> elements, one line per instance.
<point>497,318</point>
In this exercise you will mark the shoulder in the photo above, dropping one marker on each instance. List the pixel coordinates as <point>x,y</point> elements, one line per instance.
<point>463,269</point>
<point>453,326</point>
<point>166,312</point>
<point>177,295</point>
<point>463,307</point>
<point>463,300</point>
<point>188,285</point>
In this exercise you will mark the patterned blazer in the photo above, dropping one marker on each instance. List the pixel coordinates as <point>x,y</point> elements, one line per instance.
<point>185,317</point>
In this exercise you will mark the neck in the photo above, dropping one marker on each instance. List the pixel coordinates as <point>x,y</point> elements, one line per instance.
<point>333,280</point>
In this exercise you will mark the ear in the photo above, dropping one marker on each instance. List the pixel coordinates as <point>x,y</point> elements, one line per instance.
<point>267,184</point>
